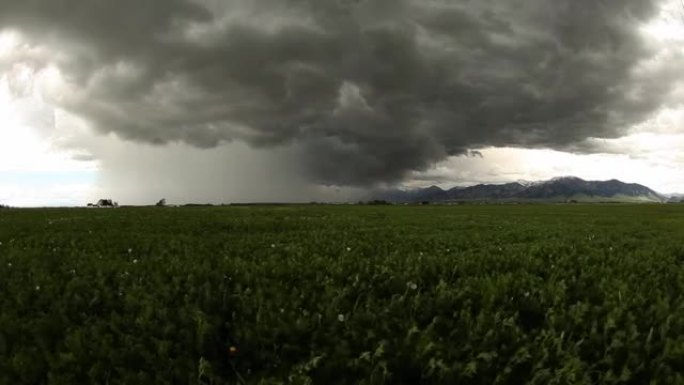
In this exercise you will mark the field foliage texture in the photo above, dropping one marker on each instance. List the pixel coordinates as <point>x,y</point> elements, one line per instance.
<point>529,294</point>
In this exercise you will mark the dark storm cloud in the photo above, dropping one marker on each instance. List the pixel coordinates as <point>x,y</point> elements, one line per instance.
<point>367,90</point>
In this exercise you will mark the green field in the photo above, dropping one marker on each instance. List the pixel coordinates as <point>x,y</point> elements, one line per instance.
<point>538,294</point>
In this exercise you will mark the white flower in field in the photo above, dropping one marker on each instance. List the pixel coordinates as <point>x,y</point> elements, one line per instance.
<point>420,253</point>
<point>135,260</point>
<point>340,317</point>
<point>37,287</point>
<point>348,248</point>
<point>527,294</point>
<point>412,285</point>
<point>282,310</point>
<point>273,245</point>
<point>130,251</point>
<point>9,264</point>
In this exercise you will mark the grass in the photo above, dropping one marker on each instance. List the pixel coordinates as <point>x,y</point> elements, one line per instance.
<point>538,294</point>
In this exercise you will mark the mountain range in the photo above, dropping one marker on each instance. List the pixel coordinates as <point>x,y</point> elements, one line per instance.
<point>561,189</point>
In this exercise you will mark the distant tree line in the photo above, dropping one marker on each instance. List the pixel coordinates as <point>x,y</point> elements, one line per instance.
<point>374,202</point>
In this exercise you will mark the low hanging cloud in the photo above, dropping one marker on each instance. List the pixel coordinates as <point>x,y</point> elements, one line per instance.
<point>367,91</point>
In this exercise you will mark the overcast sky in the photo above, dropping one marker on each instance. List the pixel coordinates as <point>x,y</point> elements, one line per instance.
<point>299,100</point>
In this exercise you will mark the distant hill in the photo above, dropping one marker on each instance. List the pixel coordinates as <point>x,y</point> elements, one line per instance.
<point>675,198</point>
<point>555,190</point>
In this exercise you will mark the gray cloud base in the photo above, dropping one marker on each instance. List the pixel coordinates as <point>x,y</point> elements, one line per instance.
<point>368,91</point>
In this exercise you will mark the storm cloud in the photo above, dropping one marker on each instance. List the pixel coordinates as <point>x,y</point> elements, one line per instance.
<point>367,91</point>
